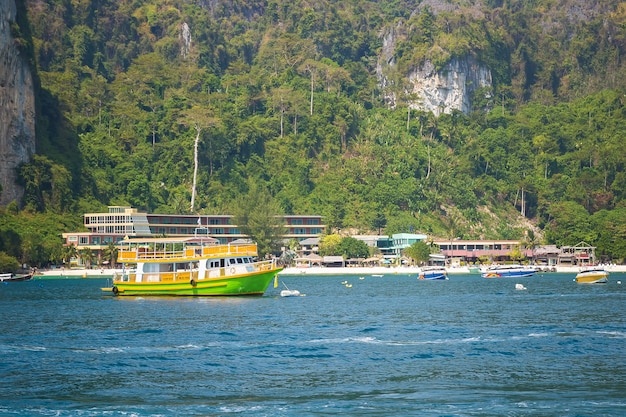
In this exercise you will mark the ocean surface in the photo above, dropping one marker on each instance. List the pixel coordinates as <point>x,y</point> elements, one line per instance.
<point>387,346</point>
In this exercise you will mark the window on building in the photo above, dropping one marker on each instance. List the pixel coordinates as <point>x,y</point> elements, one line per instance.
<point>83,240</point>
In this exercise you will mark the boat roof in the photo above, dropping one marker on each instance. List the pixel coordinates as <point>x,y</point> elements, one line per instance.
<point>510,266</point>
<point>181,239</point>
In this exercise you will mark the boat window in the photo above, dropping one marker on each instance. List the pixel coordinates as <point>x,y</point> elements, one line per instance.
<point>239,260</point>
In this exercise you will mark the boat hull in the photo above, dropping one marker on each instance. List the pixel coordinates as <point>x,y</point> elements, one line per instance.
<point>15,277</point>
<point>509,272</point>
<point>250,284</point>
<point>596,277</point>
<point>433,276</point>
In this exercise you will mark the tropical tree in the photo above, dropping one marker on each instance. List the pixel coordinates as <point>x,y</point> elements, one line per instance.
<point>110,254</point>
<point>350,247</point>
<point>8,263</point>
<point>258,216</point>
<point>531,241</point>
<point>379,222</point>
<point>329,245</point>
<point>69,252</point>
<point>87,256</point>
<point>419,252</point>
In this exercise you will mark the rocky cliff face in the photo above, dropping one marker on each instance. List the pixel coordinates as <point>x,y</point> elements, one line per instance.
<point>437,91</point>
<point>17,107</point>
<point>449,89</point>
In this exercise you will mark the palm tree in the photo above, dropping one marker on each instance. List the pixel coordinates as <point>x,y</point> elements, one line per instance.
<point>110,254</point>
<point>531,242</point>
<point>69,252</point>
<point>87,256</point>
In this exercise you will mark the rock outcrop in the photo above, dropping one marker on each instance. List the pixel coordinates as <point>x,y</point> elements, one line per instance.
<point>17,107</point>
<point>449,89</point>
<point>439,92</point>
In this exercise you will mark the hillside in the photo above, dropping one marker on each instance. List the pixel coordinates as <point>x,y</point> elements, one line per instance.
<point>463,119</point>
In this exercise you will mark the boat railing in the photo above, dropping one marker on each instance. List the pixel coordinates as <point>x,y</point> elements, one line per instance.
<point>130,275</point>
<point>145,253</point>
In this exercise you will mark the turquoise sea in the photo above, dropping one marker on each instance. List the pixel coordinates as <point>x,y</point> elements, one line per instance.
<point>387,346</point>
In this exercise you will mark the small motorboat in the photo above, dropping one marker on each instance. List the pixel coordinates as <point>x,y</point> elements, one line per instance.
<point>592,275</point>
<point>509,271</point>
<point>433,273</point>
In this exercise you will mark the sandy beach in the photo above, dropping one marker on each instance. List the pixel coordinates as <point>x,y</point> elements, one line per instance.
<point>77,273</point>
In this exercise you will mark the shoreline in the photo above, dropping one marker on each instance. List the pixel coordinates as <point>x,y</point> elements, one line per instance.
<point>298,271</point>
<point>76,273</point>
<point>407,270</point>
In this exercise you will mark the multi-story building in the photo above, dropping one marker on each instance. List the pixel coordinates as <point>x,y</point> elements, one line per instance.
<point>121,221</point>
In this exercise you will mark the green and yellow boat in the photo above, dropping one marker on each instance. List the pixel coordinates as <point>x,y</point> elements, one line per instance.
<point>190,266</point>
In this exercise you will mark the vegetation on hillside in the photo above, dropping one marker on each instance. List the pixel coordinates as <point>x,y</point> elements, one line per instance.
<point>284,95</point>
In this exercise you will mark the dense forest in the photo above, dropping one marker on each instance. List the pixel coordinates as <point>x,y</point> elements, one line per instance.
<point>180,105</point>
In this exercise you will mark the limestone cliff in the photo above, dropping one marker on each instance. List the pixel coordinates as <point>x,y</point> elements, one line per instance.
<point>442,91</point>
<point>449,89</point>
<point>17,106</point>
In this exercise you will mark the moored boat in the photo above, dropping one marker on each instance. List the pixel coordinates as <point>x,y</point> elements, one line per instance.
<point>192,266</point>
<point>15,277</point>
<point>592,275</point>
<point>508,271</point>
<point>433,273</point>
<point>474,269</point>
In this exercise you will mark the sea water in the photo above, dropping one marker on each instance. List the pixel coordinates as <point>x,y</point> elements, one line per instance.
<point>387,346</point>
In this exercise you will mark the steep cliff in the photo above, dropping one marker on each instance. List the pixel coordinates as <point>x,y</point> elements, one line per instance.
<point>449,89</point>
<point>442,91</point>
<point>17,106</point>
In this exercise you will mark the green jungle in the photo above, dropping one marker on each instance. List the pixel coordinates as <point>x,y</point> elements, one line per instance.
<point>277,103</point>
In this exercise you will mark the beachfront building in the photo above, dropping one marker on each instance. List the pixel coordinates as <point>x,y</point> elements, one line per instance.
<point>119,222</point>
<point>458,252</point>
<point>474,251</point>
<point>579,255</point>
<point>400,242</point>
<point>103,229</point>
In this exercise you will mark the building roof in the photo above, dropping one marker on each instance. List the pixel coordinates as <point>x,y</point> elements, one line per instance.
<point>333,259</point>
<point>310,241</point>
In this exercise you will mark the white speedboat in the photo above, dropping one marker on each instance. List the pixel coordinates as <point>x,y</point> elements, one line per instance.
<point>508,271</point>
<point>433,273</point>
